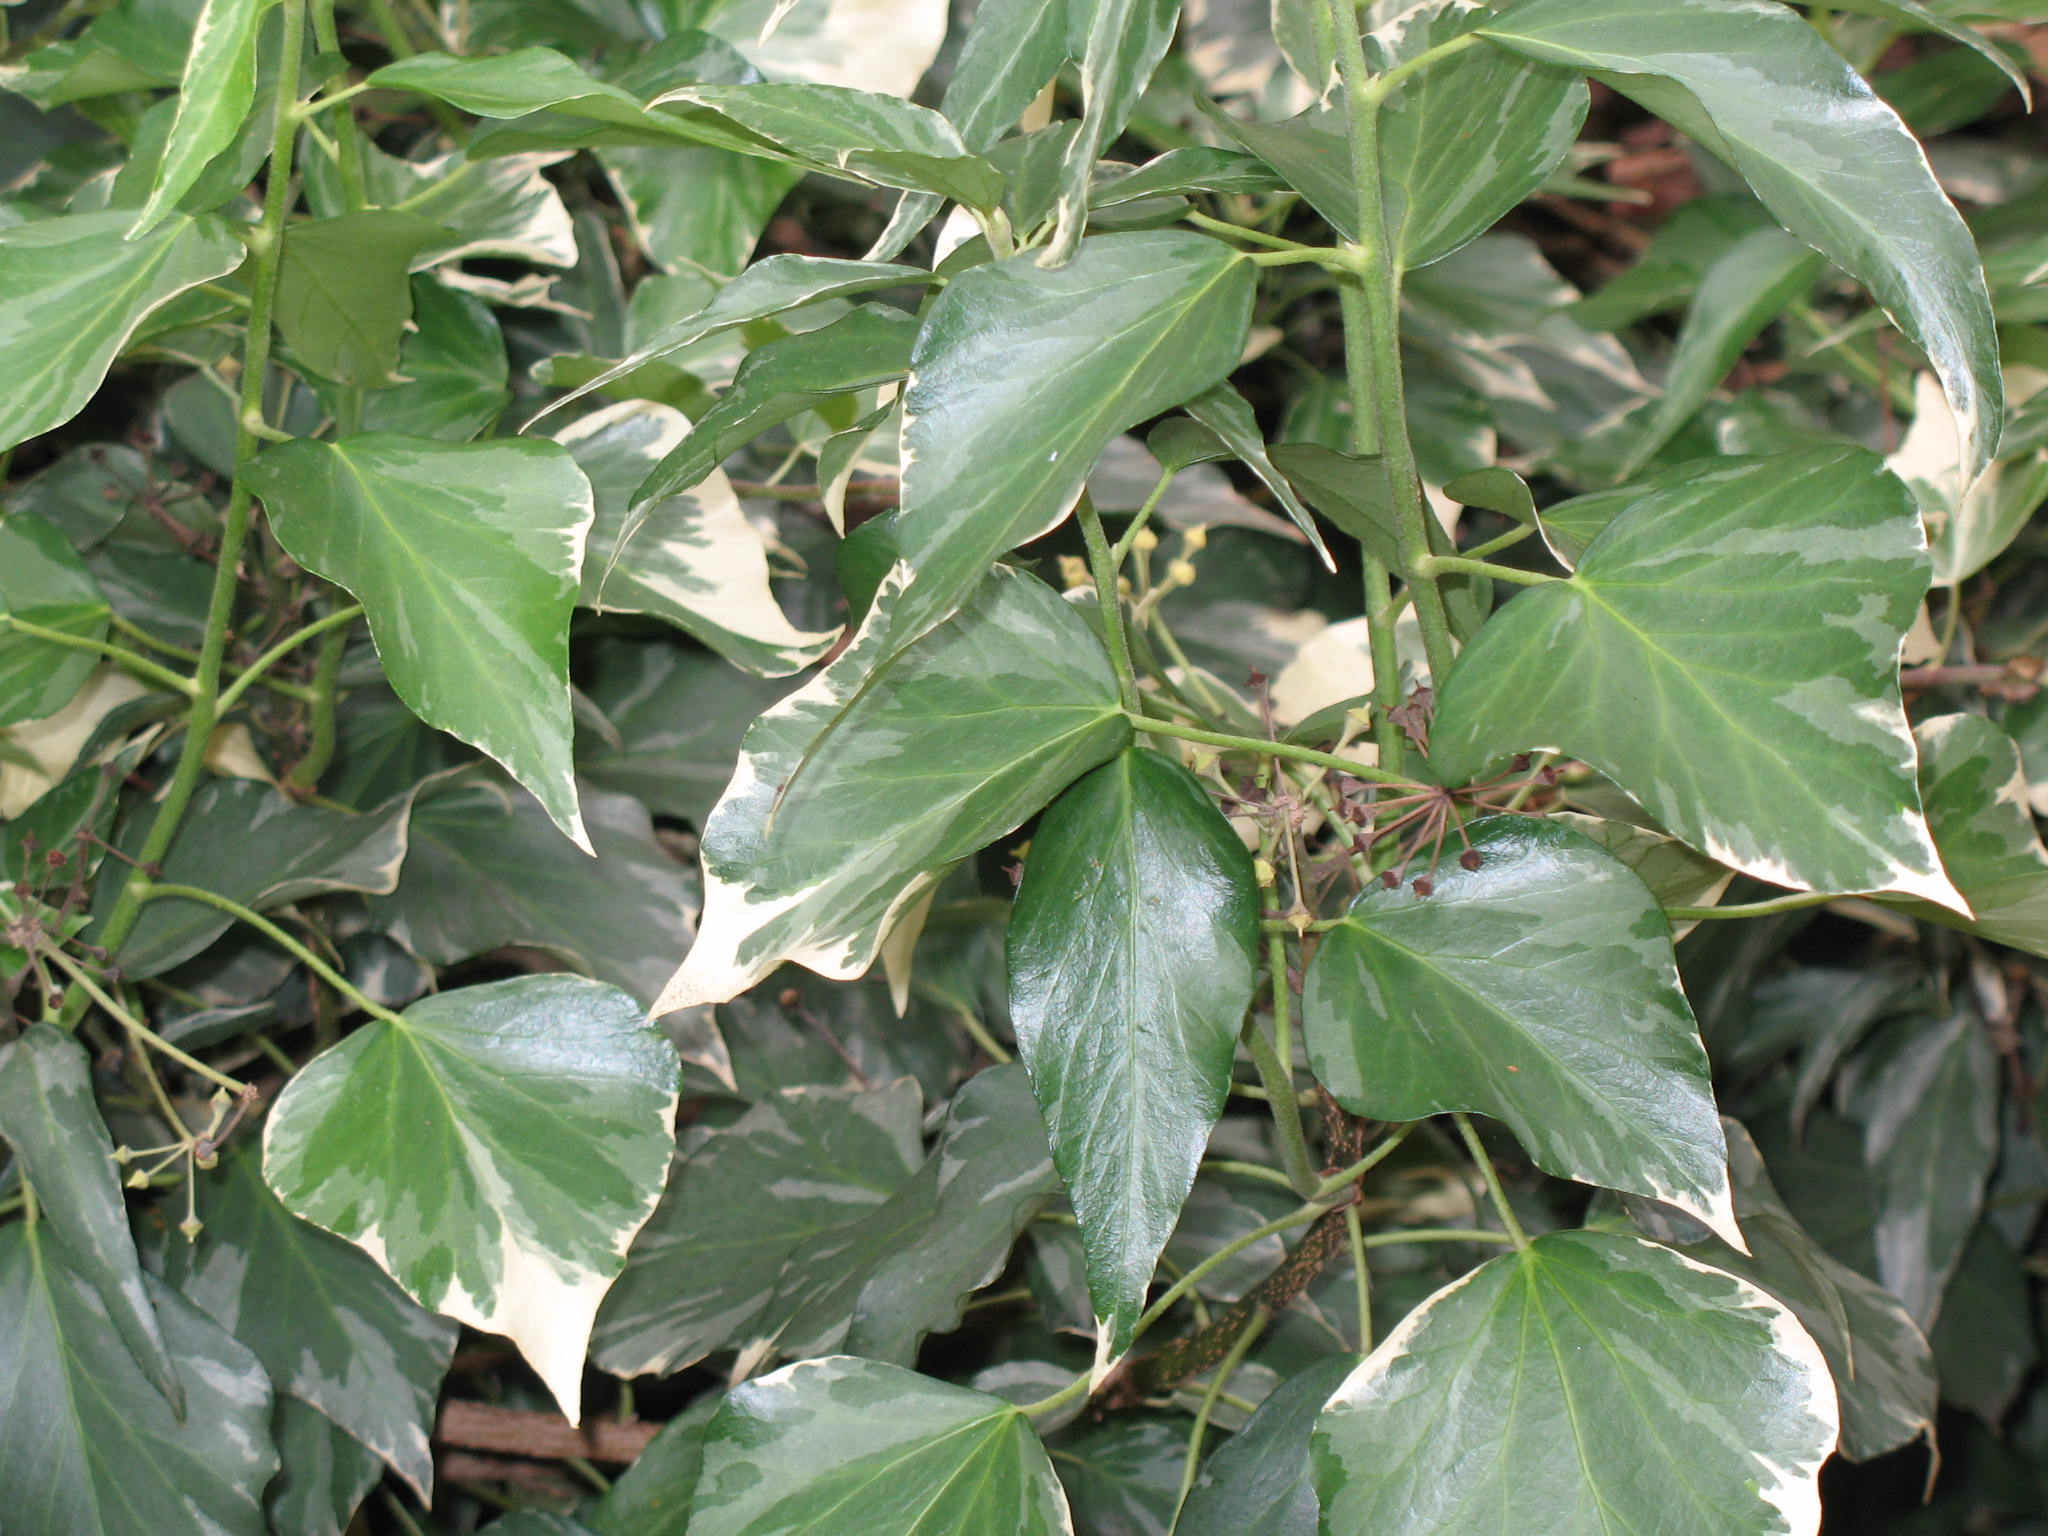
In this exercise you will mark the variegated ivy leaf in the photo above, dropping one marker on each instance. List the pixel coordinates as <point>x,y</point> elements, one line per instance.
<point>218,86</point>
<point>856,792</point>
<point>876,45</point>
<point>837,1446</point>
<point>1539,988</point>
<point>465,557</point>
<point>692,558</point>
<point>495,1148</point>
<point>1727,651</point>
<point>1117,43</point>
<point>1978,805</point>
<point>1584,1385</point>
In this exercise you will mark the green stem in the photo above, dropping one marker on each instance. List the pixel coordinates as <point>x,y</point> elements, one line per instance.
<point>1385,85</point>
<point>136,632</point>
<point>1458,565</point>
<point>1109,605</point>
<point>267,242</point>
<point>141,666</point>
<point>978,1033</point>
<point>1257,1171</point>
<point>1380,607</point>
<point>154,891</point>
<point>1361,1276</point>
<point>1191,1464</point>
<point>1252,744</point>
<point>1491,1175</point>
<point>1301,1215</point>
<point>1252,236</point>
<point>1792,903</point>
<point>305,774</point>
<point>133,1025</point>
<point>1139,519</point>
<point>1379,275</point>
<point>1437,1235</point>
<point>1507,540</point>
<point>1078,1387</point>
<point>1278,1081</point>
<point>253,673</point>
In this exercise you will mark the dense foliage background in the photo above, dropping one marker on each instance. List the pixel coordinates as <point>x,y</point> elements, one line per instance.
<point>295,281</point>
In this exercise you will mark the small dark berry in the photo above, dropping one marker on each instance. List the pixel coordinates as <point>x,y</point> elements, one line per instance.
<point>55,858</point>
<point>789,997</point>
<point>1471,858</point>
<point>1424,887</point>
<point>1391,880</point>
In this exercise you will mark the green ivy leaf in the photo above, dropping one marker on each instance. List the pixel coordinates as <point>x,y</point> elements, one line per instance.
<point>344,297</point>
<point>706,1265</point>
<point>513,84</point>
<point>1133,957</point>
<point>51,1120</point>
<point>691,558</point>
<point>43,581</point>
<point>1648,1392</point>
<point>87,1446</point>
<point>832,1446</point>
<point>1228,414</point>
<point>74,289</point>
<point>1258,1479</point>
<point>1763,90</point>
<point>465,557</point>
<point>822,840</point>
<point>871,345</point>
<point>494,1148</point>
<point>1727,652</point>
<point>324,1472</point>
<point>454,367</point>
<point>1540,989</point>
<point>327,1325</point>
<point>1022,376</point>
<point>218,86</point>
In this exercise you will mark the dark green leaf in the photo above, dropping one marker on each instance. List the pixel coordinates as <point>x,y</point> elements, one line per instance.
<point>466,557</point>
<point>50,1119</point>
<point>706,1265</point>
<point>1984,1339</point>
<point>837,1446</point>
<point>325,1473</point>
<point>344,297</point>
<point>1013,48</point>
<point>1133,953</point>
<point>1835,165</point>
<point>74,289</point>
<point>328,1326</point>
<point>1310,153</point>
<point>1727,652</point>
<point>1123,1477</point>
<point>1229,415</point>
<point>1118,43</point>
<point>87,1446</point>
<point>1540,989</point>
<point>44,582</point>
<point>454,365</point>
<point>1258,1480</point>
<point>1495,489</point>
<point>494,1149</point>
<point>821,842</point>
<point>1648,1393</point>
<point>214,96</point>
<point>652,1497</point>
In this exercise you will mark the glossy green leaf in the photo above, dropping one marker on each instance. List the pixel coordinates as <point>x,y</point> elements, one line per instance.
<point>503,206</point>
<point>488,870</point>
<point>1741,293</point>
<point>1727,652</point>
<point>873,138</point>
<point>1978,807</point>
<point>871,345</point>
<point>1540,989</point>
<point>50,1119</point>
<point>494,1148</point>
<point>454,367</point>
<point>652,1497</point>
<point>1310,152</point>
<point>344,296</point>
<point>1466,139</point>
<point>823,839</point>
<point>706,1265</point>
<point>1649,1392</point>
<point>769,287</point>
<point>1918,17</point>
<point>218,86</point>
<point>1021,378</point>
<point>1117,43</point>
<point>1123,1476</point>
<point>44,582</point>
<point>323,1476</point>
<point>514,84</point>
<point>1497,490</point>
<point>252,844</point>
<point>837,1446</point>
<point>1258,1480</point>
<point>691,558</point>
<point>466,560</point>
<point>74,289</point>
<point>1832,162</point>
<point>327,1324</point>
<point>1930,1136</point>
<point>1676,875</point>
<point>1228,414</point>
<point>87,1446</point>
<point>1012,48</point>
<point>1133,955</point>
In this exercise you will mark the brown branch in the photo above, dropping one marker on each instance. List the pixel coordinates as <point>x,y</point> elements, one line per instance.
<point>546,1436</point>
<point>2018,678</point>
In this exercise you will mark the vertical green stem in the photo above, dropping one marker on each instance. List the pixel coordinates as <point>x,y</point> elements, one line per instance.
<point>326,683</point>
<point>348,139</point>
<point>1379,278</point>
<point>267,243</point>
<point>1491,1175</point>
<point>1108,602</point>
<point>1361,1276</point>
<point>1380,607</point>
<point>1228,1368</point>
<point>1276,1076</point>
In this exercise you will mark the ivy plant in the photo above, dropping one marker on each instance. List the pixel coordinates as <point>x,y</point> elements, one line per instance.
<point>815,766</point>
